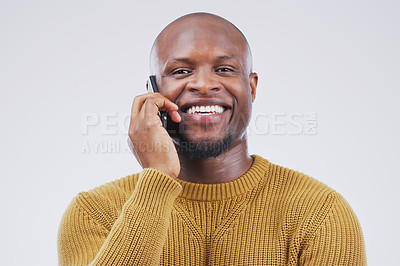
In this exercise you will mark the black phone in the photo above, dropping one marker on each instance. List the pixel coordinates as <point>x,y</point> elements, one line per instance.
<point>169,125</point>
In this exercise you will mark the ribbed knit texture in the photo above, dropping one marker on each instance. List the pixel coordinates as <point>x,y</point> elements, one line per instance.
<point>269,216</point>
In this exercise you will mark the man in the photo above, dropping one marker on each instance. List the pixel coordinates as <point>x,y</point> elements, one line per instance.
<point>201,199</point>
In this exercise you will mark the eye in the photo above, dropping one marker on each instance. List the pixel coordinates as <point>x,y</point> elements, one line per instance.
<point>224,69</point>
<point>180,72</point>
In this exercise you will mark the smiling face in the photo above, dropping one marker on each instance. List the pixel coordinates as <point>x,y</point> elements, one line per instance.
<point>203,64</point>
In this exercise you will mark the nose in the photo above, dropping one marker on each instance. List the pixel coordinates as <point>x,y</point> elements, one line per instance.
<point>204,82</point>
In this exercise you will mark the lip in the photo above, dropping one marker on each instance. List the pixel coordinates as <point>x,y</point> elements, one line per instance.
<point>205,102</point>
<point>206,119</point>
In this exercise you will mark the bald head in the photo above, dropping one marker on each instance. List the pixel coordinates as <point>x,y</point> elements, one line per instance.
<point>196,26</point>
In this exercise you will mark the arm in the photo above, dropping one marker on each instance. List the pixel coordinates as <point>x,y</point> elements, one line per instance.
<point>139,233</point>
<point>136,238</point>
<point>338,240</point>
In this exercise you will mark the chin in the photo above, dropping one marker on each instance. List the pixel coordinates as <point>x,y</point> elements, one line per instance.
<point>203,148</point>
<point>203,138</point>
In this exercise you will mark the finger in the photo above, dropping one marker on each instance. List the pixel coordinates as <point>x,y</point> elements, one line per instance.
<point>163,103</point>
<point>175,116</point>
<point>138,103</point>
<point>150,111</point>
<point>155,104</point>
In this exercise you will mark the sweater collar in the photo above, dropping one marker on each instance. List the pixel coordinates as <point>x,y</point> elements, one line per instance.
<point>220,191</point>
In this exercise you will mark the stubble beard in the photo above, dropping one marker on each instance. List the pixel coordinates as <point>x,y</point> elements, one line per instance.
<point>204,149</point>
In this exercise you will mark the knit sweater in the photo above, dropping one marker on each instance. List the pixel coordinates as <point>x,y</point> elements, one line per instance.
<point>271,215</point>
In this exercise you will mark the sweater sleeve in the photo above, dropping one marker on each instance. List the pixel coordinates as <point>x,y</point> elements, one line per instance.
<point>338,240</point>
<point>136,238</point>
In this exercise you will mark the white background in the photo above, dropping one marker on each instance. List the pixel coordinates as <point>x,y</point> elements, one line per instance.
<point>62,60</point>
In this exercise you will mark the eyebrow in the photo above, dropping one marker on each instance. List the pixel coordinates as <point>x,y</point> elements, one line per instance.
<point>226,57</point>
<point>189,61</point>
<point>183,59</point>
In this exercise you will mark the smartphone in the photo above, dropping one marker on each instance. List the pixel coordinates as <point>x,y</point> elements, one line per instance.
<point>169,125</point>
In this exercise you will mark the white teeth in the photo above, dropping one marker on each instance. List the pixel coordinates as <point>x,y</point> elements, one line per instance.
<point>206,110</point>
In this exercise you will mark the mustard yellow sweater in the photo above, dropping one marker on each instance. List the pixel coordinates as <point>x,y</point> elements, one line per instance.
<point>269,216</point>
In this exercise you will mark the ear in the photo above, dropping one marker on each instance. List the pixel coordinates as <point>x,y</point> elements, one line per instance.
<point>253,85</point>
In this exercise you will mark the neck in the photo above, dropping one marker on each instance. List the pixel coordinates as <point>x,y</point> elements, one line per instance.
<point>225,168</point>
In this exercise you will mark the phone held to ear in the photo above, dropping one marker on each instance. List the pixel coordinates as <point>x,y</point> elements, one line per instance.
<point>169,125</point>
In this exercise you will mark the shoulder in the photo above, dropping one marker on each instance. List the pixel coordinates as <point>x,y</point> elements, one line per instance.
<point>104,203</point>
<point>304,203</point>
<point>298,197</point>
<point>295,187</point>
